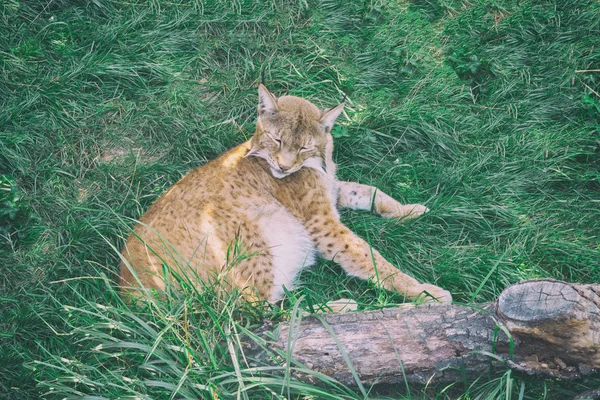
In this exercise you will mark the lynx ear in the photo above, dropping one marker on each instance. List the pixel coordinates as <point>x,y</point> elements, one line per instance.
<point>328,117</point>
<point>267,103</point>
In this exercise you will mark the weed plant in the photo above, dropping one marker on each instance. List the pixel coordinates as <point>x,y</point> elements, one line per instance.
<point>487,111</point>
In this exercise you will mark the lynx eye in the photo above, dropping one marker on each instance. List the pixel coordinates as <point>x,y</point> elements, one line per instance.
<point>304,149</point>
<point>278,141</point>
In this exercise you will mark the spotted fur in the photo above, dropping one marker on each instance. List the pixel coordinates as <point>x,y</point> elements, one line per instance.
<point>274,197</point>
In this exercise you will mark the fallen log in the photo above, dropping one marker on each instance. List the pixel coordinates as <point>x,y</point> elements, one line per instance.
<point>539,327</point>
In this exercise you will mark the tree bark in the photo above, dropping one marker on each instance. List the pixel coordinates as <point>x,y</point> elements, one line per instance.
<point>541,327</point>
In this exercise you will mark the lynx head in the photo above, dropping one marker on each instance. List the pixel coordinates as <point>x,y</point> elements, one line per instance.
<point>292,133</point>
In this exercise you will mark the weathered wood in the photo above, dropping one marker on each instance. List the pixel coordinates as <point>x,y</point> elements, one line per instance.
<point>552,327</point>
<point>387,346</point>
<point>589,395</point>
<point>557,326</point>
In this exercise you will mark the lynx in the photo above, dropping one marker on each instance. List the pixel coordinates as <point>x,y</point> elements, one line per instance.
<point>276,196</point>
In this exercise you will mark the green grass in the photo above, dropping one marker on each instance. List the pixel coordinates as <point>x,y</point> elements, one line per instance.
<point>486,111</point>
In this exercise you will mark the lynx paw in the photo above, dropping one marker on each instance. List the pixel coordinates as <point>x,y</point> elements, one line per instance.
<point>342,305</point>
<point>434,294</point>
<point>406,211</point>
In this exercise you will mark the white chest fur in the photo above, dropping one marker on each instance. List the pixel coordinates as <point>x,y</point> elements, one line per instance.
<point>290,245</point>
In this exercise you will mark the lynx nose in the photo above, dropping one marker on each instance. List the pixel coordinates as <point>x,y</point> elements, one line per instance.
<point>284,163</point>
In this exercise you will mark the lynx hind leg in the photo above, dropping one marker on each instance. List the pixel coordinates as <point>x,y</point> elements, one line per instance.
<point>247,263</point>
<point>338,243</point>
<point>253,278</point>
<point>357,196</point>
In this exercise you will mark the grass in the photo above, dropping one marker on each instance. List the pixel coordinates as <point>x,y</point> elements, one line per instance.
<point>486,111</point>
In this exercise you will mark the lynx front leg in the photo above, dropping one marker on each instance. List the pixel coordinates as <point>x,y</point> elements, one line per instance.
<point>364,197</point>
<point>336,242</point>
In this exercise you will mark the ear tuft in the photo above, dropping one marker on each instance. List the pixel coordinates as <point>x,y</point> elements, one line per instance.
<point>267,103</point>
<point>328,118</point>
